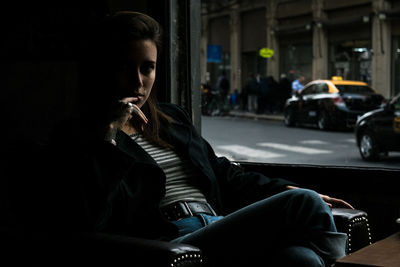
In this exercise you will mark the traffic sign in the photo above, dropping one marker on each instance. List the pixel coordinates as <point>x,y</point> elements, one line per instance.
<point>266,52</point>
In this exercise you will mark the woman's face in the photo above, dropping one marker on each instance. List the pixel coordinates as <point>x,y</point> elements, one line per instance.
<point>136,72</point>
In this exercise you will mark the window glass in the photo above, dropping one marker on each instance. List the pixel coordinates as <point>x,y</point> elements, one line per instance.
<point>322,88</point>
<point>309,90</point>
<point>396,102</point>
<point>354,89</point>
<point>280,125</point>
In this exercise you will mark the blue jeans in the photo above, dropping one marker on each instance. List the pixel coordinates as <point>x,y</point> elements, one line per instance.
<point>191,224</point>
<point>292,228</point>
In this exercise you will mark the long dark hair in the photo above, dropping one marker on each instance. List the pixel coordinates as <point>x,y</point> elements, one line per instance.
<point>114,32</point>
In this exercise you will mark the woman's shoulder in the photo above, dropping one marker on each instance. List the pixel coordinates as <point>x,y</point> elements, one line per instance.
<point>176,112</point>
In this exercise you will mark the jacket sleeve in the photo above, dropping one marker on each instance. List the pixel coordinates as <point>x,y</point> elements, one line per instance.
<point>100,187</point>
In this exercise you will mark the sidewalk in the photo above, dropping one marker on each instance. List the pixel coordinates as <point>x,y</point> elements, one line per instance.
<point>250,115</point>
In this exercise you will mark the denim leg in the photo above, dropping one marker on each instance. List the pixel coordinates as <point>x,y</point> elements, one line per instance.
<point>261,230</point>
<point>188,225</point>
<point>191,224</point>
<point>297,256</point>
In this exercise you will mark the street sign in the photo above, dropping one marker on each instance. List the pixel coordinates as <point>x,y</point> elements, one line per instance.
<point>214,53</point>
<point>266,52</point>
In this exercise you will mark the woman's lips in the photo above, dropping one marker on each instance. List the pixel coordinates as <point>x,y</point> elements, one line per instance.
<point>134,99</point>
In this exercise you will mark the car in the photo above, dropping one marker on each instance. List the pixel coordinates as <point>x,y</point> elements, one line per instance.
<point>377,132</point>
<point>330,104</point>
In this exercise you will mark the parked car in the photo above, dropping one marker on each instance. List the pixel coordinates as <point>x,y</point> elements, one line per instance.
<point>331,103</point>
<point>378,131</point>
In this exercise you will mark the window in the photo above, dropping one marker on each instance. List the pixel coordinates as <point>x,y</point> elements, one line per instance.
<point>322,88</point>
<point>316,52</point>
<point>354,89</point>
<point>309,90</point>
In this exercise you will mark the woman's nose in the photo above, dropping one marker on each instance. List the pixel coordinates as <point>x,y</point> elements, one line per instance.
<point>136,78</point>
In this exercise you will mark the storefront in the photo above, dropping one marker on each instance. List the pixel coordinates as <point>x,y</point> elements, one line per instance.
<point>351,60</point>
<point>394,17</point>
<point>350,43</point>
<point>358,40</point>
<point>296,57</point>
<point>253,25</point>
<point>219,35</point>
<point>396,65</point>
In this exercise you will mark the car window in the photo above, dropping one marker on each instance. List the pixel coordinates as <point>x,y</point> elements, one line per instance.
<point>354,89</point>
<point>309,90</point>
<point>396,102</point>
<point>322,88</point>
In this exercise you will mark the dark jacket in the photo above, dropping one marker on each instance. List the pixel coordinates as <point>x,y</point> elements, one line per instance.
<point>118,188</point>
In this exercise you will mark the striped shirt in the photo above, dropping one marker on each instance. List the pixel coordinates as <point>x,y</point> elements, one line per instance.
<point>181,175</point>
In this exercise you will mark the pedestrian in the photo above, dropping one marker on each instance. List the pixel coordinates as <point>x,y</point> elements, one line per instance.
<point>272,99</point>
<point>252,90</point>
<point>133,166</point>
<point>298,84</point>
<point>264,92</point>
<point>234,99</point>
<point>284,91</point>
<point>223,85</point>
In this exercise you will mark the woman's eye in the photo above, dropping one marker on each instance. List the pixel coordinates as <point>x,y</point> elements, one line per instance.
<point>148,68</point>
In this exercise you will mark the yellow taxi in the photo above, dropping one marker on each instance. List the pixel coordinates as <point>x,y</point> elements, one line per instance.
<point>331,103</point>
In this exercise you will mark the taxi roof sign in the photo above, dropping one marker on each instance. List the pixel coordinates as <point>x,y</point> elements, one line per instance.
<point>337,78</point>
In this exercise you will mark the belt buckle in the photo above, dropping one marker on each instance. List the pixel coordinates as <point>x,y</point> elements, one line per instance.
<point>211,209</point>
<point>185,204</point>
<point>203,205</point>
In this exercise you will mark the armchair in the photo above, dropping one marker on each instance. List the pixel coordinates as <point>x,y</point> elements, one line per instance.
<point>93,249</point>
<point>100,249</point>
<point>20,245</point>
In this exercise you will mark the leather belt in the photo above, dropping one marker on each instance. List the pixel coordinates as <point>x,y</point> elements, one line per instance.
<point>183,209</point>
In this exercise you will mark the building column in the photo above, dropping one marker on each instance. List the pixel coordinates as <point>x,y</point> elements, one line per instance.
<point>272,40</point>
<point>381,45</point>
<point>320,43</point>
<point>203,48</point>
<point>235,47</point>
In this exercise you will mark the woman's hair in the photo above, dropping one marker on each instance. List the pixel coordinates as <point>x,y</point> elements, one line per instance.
<point>114,33</point>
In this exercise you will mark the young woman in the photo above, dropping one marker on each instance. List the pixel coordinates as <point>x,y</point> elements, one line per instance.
<point>138,167</point>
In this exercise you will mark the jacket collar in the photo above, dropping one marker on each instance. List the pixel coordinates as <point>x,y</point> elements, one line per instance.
<point>126,144</point>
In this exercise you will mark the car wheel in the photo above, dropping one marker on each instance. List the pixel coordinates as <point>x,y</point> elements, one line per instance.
<point>323,121</point>
<point>368,146</point>
<point>289,118</point>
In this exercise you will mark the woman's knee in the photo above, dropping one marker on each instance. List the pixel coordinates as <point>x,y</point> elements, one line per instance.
<point>305,196</point>
<point>305,193</point>
<point>310,209</point>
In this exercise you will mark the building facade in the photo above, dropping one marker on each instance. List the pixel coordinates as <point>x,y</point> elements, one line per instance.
<point>355,39</point>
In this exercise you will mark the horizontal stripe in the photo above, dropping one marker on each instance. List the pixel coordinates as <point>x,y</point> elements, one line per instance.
<point>180,173</point>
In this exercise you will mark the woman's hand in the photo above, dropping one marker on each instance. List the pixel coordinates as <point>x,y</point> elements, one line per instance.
<point>330,201</point>
<point>138,113</point>
<point>122,114</point>
<point>136,121</point>
<point>335,202</point>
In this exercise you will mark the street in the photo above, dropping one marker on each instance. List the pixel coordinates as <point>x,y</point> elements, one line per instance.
<point>244,139</point>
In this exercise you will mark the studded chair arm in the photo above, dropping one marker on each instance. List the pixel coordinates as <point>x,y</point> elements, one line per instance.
<point>21,248</point>
<point>139,251</point>
<point>355,224</point>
